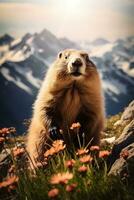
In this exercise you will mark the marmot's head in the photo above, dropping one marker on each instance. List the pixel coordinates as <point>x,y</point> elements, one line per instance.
<point>74,64</point>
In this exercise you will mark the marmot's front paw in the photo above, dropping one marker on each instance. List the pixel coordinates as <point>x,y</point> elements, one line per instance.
<point>55,133</point>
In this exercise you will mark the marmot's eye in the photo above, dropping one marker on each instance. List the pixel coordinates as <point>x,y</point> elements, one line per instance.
<point>66,57</point>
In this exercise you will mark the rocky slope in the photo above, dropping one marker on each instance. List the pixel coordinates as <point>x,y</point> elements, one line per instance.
<point>122,157</point>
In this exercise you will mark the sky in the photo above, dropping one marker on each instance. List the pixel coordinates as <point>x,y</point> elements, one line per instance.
<point>75,19</point>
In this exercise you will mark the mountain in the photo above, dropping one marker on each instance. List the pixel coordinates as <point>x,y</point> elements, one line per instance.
<point>90,45</point>
<point>24,61</point>
<point>22,67</point>
<point>99,41</point>
<point>114,61</point>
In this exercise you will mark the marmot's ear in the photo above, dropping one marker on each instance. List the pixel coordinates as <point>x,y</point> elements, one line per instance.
<point>59,54</point>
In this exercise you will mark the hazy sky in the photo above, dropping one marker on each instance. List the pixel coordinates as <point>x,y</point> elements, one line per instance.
<point>75,19</point>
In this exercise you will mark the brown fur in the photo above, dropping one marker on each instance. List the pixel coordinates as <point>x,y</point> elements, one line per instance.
<point>63,100</point>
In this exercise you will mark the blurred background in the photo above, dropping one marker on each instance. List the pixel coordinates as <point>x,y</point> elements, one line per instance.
<point>32,32</point>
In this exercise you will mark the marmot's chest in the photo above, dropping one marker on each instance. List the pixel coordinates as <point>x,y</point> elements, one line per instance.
<point>70,105</point>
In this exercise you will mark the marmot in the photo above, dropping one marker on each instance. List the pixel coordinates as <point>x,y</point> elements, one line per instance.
<point>71,92</point>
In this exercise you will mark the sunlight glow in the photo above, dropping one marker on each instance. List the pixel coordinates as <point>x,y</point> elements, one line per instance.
<point>76,19</point>
<point>72,4</point>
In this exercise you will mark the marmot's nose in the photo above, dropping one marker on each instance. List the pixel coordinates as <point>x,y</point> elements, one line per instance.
<point>77,63</point>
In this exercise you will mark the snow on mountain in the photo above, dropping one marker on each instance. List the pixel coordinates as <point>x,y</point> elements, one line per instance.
<point>18,50</point>
<point>15,56</point>
<point>99,42</point>
<point>95,45</point>
<point>15,42</point>
<point>6,74</point>
<point>100,51</point>
<point>23,64</point>
<point>24,61</point>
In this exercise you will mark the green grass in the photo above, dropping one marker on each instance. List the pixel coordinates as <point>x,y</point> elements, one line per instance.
<point>111,129</point>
